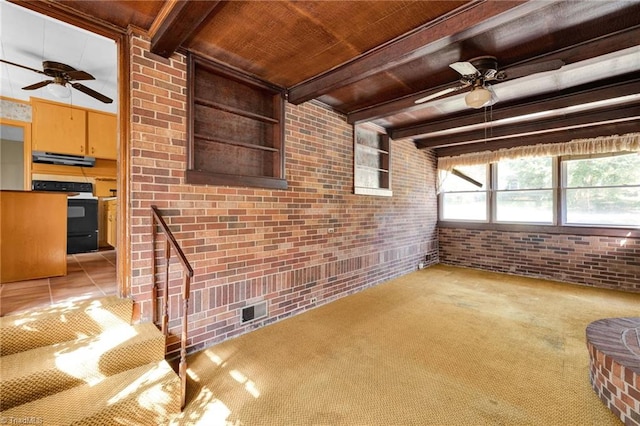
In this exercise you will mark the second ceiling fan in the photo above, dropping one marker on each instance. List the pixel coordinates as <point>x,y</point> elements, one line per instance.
<point>481,72</point>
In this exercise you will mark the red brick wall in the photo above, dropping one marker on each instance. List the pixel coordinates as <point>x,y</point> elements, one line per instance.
<point>248,244</point>
<point>606,262</point>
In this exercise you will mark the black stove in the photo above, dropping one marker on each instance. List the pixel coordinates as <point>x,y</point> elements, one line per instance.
<point>82,213</point>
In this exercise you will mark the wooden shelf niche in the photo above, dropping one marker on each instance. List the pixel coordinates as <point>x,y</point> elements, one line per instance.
<point>236,128</point>
<point>372,160</point>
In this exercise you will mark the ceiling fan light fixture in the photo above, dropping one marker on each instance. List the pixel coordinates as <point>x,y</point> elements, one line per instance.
<point>478,97</point>
<point>59,90</point>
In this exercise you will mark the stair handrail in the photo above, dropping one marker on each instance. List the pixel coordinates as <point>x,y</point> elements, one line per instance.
<point>170,242</point>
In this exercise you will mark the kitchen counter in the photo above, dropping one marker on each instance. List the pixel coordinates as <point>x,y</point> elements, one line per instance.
<point>34,235</point>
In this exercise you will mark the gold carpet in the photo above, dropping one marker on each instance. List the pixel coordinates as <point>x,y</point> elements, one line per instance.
<point>441,346</point>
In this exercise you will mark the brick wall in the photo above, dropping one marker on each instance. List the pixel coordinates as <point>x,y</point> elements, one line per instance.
<point>249,244</point>
<point>606,262</point>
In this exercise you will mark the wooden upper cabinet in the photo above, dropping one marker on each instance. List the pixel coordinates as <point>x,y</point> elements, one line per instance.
<point>64,129</point>
<point>102,133</point>
<point>59,128</point>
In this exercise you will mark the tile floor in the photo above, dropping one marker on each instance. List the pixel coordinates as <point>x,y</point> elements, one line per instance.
<point>88,275</point>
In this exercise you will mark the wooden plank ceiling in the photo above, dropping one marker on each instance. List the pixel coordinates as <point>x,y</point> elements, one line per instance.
<point>371,60</point>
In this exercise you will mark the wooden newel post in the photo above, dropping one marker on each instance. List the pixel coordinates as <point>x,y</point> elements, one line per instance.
<point>183,348</point>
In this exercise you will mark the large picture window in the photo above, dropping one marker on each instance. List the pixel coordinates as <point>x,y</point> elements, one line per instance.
<point>602,190</point>
<point>464,193</point>
<point>524,190</point>
<point>597,190</point>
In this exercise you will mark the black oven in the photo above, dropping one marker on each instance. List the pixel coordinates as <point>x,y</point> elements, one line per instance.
<point>82,213</point>
<point>82,225</point>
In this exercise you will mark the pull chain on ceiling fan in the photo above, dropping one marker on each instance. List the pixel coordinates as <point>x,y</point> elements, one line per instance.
<point>480,73</point>
<point>62,75</point>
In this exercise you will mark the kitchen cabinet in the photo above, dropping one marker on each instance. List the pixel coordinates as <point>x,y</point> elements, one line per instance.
<point>110,221</point>
<point>58,128</point>
<point>64,129</point>
<point>102,133</point>
<point>34,235</point>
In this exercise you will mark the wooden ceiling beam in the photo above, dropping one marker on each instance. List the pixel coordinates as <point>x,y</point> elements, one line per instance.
<point>583,51</point>
<point>566,99</point>
<point>474,18</point>
<point>592,131</point>
<point>176,22</point>
<point>535,128</point>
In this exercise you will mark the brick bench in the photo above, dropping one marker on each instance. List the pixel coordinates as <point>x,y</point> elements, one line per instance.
<point>614,364</point>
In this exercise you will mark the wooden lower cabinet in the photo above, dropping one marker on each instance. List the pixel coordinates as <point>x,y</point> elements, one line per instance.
<point>33,241</point>
<point>111,222</point>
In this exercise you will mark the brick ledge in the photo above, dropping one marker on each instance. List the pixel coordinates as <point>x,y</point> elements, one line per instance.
<point>614,365</point>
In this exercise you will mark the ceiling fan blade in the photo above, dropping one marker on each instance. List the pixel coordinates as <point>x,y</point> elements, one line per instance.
<point>22,66</point>
<point>464,68</point>
<point>524,70</point>
<point>92,93</point>
<point>441,93</point>
<point>79,75</point>
<point>38,85</point>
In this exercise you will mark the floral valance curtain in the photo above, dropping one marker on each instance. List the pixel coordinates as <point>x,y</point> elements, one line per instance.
<point>600,145</point>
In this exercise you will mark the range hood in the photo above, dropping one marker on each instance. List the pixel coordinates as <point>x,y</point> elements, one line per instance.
<point>63,159</point>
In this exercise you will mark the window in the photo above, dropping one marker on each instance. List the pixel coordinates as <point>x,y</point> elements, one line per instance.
<point>464,193</point>
<point>602,190</point>
<point>236,133</point>
<point>524,190</point>
<point>372,160</point>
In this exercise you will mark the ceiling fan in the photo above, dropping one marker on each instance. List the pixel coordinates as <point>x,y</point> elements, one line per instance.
<point>481,72</point>
<point>61,75</point>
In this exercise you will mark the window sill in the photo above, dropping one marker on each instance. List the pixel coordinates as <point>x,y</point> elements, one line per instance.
<point>381,192</point>
<point>547,229</point>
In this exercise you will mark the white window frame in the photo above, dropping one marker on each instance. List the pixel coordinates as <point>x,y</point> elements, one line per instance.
<point>553,189</point>
<point>486,191</point>
<point>562,170</point>
<point>559,180</point>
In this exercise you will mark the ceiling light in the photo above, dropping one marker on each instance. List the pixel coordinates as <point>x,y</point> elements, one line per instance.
<point>478,97</point>
<point>59,90</point>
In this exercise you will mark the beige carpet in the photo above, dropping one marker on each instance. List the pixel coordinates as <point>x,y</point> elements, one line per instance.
<point>441,346</point>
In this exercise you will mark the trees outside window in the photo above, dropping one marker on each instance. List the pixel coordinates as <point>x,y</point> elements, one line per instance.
<point>602,190</point>
<point>597,190</point>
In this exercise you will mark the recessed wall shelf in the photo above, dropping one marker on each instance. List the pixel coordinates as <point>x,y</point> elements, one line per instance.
<point>236,128</point>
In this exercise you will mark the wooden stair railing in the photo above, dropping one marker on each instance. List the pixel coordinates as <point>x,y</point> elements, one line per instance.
<point>170,242</point>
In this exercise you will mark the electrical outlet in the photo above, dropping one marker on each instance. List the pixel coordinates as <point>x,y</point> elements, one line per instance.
<point>331,230</point>
<point>314,300</point>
